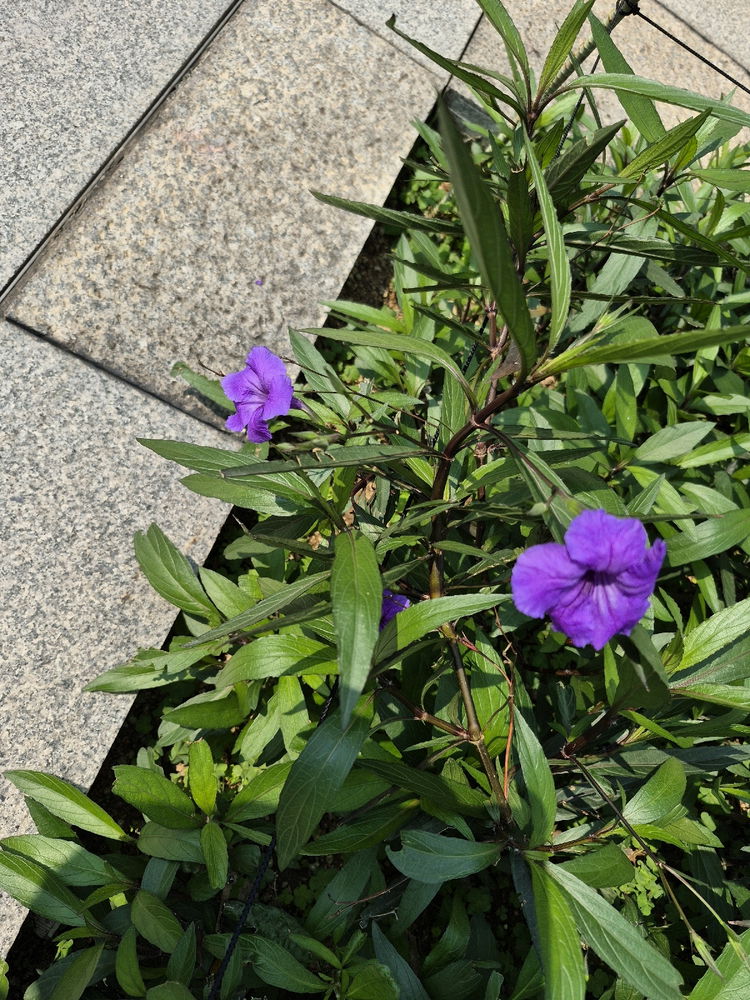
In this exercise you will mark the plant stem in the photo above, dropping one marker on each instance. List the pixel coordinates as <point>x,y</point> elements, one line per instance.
<point>475,730</point>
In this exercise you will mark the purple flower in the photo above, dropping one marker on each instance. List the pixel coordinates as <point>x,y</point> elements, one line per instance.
<point>392,604</point>
<point>261,391</point>
<point>597,584</point>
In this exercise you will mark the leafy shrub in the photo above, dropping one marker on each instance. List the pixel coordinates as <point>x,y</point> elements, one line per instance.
<point>437,795</point>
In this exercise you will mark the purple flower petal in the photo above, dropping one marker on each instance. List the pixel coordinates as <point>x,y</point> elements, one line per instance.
<point>540,578</point>
<point>279,397</point>
<point>594,587</point>
<point>257,428</point>
<point>602,542</point>
<point>261,391</point>
<point>392,605</point>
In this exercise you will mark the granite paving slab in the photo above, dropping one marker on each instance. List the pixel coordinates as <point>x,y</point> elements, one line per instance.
<point>206,239</point>
<point>446,27</point>
<point>75,77</point>
<point>73,602</point>
<point>725,23</point>
<point>648,51</point>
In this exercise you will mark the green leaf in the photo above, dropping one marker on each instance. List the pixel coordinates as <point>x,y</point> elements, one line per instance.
<point>331,458</point>
<point>170,574</point>
<point>502,22</point>
<point>155,922</point>
<point>602,868</point>
<point>560,276</point>
<point>731,980</point>
<point>659,796</point>
<point>328,915</point>
<point>155,796</point>
<point>731,179</point>
<point>452,795</point>
<point>639,109</point>
<point>371,981</point>
<point>717,632</point>
<point>476,82</point>
<point>69,861</point>
<point>212,713</point>
<point>39,890</point>
<point>431,857</point>
<point>264,609</point>
<point>198,457</point>
<point>181,964</point>
<point>127,969</point>
<point>709,538</point>
<point>482,221</point>
<point>411,624</point>
<point>66,802</point>
<point>563,43</point>
<point>202,780</point>
<point>717,451</point>
<point>616,941</point>
<point>277,967</point>
<point>260,797</point>
<point>148,669</point>
<point>562,959</point>
<point>366,831</point>
<point>403,221</point>
<point>403,344</point>
<point>278,656</point>
<point>537,777</point>
<point>409,987</point>
<point>208,387</point>
<point>315,777</point>
<point>214,848</point>
<point>357,597</point>
<point>663,148</point>
<point>718,694</point>
<point>616,353</point>
<point>170,991</point>
<point>77,976</point>
<point>658,91</point>
<point>172,845</point>
<point>673,441</point>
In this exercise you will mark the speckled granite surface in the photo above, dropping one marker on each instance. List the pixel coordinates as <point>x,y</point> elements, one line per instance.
<point>76,486</point>
<point>647,50</point>
<point>207,240</point>
<point>75,77</point>
<point>725,23</point>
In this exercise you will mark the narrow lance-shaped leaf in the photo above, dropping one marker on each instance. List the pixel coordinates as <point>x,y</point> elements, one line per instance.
<point>501,20</point>
<point>661,92</point>
<point>665,147</point>
<point>671,343</point>
<point>474,80</point>
<point>66,802</point>
<point>170,574</point>
<point>485,231</point>
<point>357,595</point>
<point>562,958</point>
<point>402,343</point>
<point>563,43</point>
<point>559,266</point>
<point>616,941</point>
<point>315,777</point>
<point>640,109</point>
<point>537,776</point>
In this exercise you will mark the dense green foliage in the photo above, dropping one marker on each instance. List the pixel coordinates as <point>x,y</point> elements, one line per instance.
<point>462,804</point>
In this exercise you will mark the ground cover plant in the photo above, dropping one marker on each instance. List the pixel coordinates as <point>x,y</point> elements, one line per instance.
<point>464,713</point>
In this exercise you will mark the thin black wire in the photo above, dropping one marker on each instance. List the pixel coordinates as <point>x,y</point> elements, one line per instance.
<point>265,860</point>
<point>692,51</point>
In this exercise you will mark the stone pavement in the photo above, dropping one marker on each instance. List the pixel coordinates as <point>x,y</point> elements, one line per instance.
<point>202,241</point>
